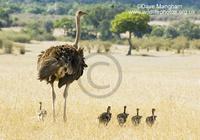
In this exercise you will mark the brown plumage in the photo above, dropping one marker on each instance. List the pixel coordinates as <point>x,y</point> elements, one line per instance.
<point>105,117</point>
<point>151,119</point>
<point>64,63</point>
<point>136,119</point>
<point>122,117</point>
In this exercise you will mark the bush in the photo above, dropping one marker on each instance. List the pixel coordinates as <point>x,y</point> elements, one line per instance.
<point>137,43</point>
<point>65,38</point>
<point>1,44</point>
<point>20,47</point>
<point>86,44</point>
<point>180,43</point>
<point>157,31</point>
<point>22,38</point>
<point>48,37</point>
<point>22,50</point>
<point>48,26</point>
<point>167,44</point>
<point>195,44</point>
<point>170,32</point>
<point>98,46</point>
<point>106,46</point>
<point>8,46</point>
<point>148,45</point>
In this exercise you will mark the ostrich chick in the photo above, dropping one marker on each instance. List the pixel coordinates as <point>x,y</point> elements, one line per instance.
<point>136,119</point>
<point>41,113</point>
<point>122,117</point>
<point>105,117</point>
<point>151,119</point>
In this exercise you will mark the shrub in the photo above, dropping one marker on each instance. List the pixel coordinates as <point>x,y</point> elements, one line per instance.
<point>195,44</point>
<point>22,50</point>
<point>147,44</point>
<point>15,36</point>
<point>137,43</point>
<point>8,46</point>
<point>1,44</point>
<point>22,38</point>
<point>170,32</point>
<point>86,44</point>
<point>20,47</point>
<point>48,26</point>
<point>65,38</point>
<point>180,43</point>
<point>157,31</point>
<point>98,46</point>
<point>45,37</point>
<point>158,43</point>
<point>106,46</point>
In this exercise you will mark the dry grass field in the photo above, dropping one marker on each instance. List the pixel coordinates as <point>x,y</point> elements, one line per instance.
<point>167,82</point>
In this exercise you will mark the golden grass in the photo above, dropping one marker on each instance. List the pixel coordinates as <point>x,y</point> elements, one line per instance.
<point>170,84</point>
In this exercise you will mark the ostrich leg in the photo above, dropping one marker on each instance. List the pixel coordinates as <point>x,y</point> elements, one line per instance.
<point>53,101</point>
<point>65,102</point>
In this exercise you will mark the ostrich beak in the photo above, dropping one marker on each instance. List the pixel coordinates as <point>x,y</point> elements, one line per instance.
<point>85,13</point>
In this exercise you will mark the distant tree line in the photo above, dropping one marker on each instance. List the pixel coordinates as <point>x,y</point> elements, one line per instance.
<point>104,22</point>
<point>184,28</point>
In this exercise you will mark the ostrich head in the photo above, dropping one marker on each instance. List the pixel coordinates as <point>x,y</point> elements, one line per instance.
<point>125,109</point>
<point>108,110</point>
<point>137,111</point>
<point>80,13</point>
<point>40,105</point>
<point>153,110</point>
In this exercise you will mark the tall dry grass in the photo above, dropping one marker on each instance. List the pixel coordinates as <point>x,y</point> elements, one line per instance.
<point>170,84</point>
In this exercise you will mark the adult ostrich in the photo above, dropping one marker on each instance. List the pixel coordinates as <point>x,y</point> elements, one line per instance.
<point>64,63</point>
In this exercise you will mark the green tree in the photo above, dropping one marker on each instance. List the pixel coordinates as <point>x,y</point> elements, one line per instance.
<point>66,24</point>
<point>48,26</point>
<point>189,29</point>
<point>180,43</point>
<point>126,22</point>
<point>33,30</point>
<point>195,44</point>
<point>57,8</point>
<point>99,17</point>
<point>35,8</point>
<point>157,31</point>
<point>104,29</point>
<point>170,32</point>
<point>13,8</point>
<point>5,17</point>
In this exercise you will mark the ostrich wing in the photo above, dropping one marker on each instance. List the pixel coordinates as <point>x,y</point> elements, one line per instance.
<point>54,61</point>
<point>48,68</point>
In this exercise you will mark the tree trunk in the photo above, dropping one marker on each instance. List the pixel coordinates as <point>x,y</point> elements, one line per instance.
<point>118,35</point>
<point>130,45</point>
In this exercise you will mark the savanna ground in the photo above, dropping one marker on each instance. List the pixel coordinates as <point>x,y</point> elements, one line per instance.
<point>165,81</point>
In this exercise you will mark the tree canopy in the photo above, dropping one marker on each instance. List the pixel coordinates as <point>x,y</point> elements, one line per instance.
<point>130,22</point>
<point>126,22</point>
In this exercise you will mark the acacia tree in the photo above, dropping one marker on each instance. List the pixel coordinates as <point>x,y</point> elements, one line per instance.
<point>126,22</point>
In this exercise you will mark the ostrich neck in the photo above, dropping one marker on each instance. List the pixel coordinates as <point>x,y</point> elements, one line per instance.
<point>78,31</point>
<point>40,106</point>
<point>124,110</point>
<point>152,113</point>
<point>137,112</point>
